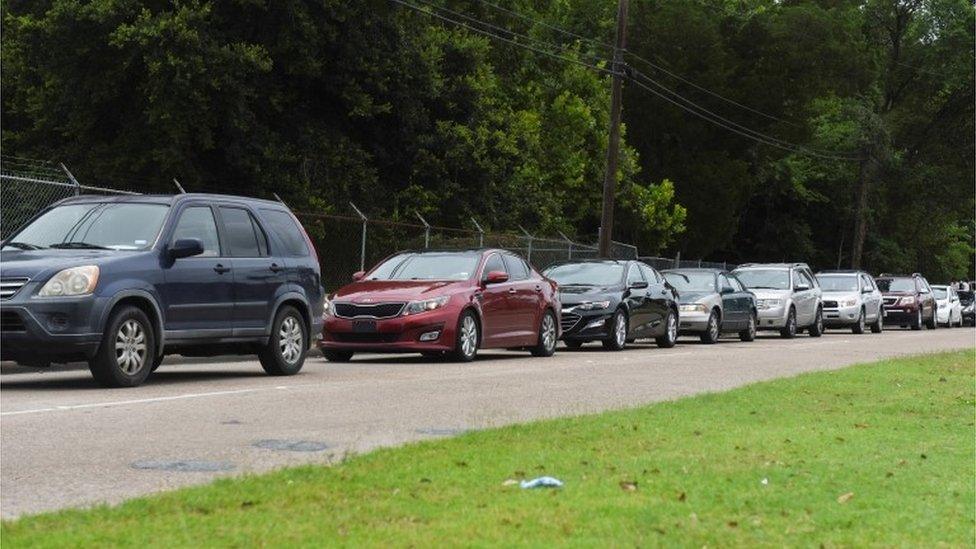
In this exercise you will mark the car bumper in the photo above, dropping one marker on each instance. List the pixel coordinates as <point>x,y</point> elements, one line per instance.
<point>37,332</point>
<point>693,322</point>
<point>433,331</point>
<point>900,315</point>
<point>772,319</point>
<point>842,316</point>
<point>586,325</point>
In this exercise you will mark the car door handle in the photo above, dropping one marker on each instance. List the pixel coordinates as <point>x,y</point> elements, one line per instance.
<point>221,269</point>
<point>512,290</point>
<point>275,268</point>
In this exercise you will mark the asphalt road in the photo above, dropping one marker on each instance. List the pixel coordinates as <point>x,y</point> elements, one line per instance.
<point>66,442</point>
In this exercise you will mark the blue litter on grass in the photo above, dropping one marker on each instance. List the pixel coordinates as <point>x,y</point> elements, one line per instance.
<point>541,482</point>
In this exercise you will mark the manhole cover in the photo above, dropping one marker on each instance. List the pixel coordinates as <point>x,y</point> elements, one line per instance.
<point>292,445</point>
<point>183,465</point>
<point>441,432</point>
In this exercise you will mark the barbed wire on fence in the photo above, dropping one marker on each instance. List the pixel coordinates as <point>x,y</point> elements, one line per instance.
<point>344,243</point>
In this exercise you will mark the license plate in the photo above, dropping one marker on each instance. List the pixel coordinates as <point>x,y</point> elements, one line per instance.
<point>364,326</point>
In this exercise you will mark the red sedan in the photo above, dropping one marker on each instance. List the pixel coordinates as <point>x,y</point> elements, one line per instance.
<point>443,303</point>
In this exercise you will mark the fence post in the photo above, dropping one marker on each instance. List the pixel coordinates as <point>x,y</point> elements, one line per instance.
<point>699,263</point>
<point>362,245</point>
<point>529,238</point>
<point>481,233</point>
<point>72,179</point>
<point>569,245</point>
<point>426,230</point>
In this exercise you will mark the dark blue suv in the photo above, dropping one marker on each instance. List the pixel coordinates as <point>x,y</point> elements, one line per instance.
<point>122,281</point>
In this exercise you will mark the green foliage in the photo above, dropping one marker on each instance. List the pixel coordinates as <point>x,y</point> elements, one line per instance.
<point>327,101</point>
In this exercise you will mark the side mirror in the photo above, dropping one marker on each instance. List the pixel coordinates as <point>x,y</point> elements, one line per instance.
<point>496,277</point>
<point>185,247</point>
<point>801,288</point>
<point>358,275</point>
<point>728,290</point>
<point>639,285</point>
<point>866,291</point>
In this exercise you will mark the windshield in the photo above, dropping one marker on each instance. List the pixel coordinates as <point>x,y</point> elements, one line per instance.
<point>897,284</point>
<point>587,274</point>
<point>115,226</point>
<point>689,281</point>
<point>769,279</point>
<point>838,283</point>
<point>428,266</point>
<point>939,293</point>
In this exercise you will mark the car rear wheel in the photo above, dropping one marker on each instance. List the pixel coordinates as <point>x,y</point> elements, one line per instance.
<point>789,331</point>
<point>670,336</point>
<point>125,357</point>
<point>546,344</point>
<point>467,338</point>
<point>618,332</point>
<point>859,326</point>
<point>749,334</point>
<point>284,353</point>
<point>817,329</point>
<point>712,329</point>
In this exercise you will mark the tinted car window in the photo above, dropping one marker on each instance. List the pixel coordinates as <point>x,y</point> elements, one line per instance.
<point>243,237</point>
<point>494,263</point>
<point>516,267</point>
<point>198,222</point>
<point>283,226</point>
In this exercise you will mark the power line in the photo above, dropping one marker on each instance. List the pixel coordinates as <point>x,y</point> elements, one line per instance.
<point>717,120</point>
<point>502,38</point>
<point>547,25</point>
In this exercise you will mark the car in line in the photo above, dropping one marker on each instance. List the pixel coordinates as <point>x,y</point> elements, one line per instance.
<point>615,302</point>
<point>443,303</point>
<point>122,281</point>
<point>948,306</point>
<point>788,297</point>
<point>851,299</point>
<point>713,302</point>
<point>908,301</point>
<point>967,300</point>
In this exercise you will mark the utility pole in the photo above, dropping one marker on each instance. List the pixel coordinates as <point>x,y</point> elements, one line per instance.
<point>613,147</point>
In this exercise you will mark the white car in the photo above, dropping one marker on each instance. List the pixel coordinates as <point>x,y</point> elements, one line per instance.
<point>949,312</point>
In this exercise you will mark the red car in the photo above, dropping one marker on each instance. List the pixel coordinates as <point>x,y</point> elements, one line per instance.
<point>443,303</point>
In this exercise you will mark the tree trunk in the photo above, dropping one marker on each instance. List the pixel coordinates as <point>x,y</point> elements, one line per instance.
<point>860,214</point>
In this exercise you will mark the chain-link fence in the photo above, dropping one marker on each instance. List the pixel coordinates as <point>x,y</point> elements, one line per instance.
<point>344,243</point>
<point>676,262</point>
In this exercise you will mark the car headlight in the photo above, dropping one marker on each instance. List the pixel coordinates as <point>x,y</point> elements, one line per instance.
<point>769,303</point>
<point>692,308</point>
<point>327,309</point>
<point>415,307</point>
<point>71,282</point>
<point>592,305</point>
<point>907,300</point>
<point>969,308</point>
<point>848,302</point>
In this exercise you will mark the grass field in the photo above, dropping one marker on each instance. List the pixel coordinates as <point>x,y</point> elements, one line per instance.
<point>880,454</point>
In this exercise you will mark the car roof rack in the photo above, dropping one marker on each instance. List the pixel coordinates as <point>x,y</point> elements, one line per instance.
<point>896,275</point>
<point>840,271</point>
<point>779,265</point>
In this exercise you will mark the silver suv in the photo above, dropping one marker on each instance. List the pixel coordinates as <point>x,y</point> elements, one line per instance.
<point>788,297</point>
<point>851,299</point>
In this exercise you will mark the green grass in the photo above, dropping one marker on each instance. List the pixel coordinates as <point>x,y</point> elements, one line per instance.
<point>899,435</point>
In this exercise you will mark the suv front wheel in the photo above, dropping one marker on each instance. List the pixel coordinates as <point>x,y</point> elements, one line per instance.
<point>125,357</point>
<point>284,354</point>
<point>817,329</point>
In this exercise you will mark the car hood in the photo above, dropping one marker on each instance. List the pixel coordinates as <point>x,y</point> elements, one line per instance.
<point>574,295</point>
<point>840,296</point>
<point>766,293</point>
<point>695,297</point>
<point>377,291</point>
<point>36,264</point>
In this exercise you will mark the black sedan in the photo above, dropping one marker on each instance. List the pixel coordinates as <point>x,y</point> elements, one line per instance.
<point>614,302</point>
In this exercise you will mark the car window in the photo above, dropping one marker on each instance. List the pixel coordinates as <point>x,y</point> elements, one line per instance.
<point>723,282</point>
<point>650,274</point>
<point>282,225</point>
<point>924,285</point>
<point>494,263</point>
<point>797,279</point>
<point>736,285</point>
<point>517,268</point>
<point>867,282</point>
<point>808,278</point>
<point>198,222</point>
<point>244,237</point>
<point>634,275</point>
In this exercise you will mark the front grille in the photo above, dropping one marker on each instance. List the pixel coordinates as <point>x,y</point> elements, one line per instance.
<point>569,321</point>
<point>352,337</point>
<point>830,304</point>
<point>890,300</point>
<point>10,286</point>
<point>377,310</point>
<point>10,321</point>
